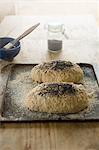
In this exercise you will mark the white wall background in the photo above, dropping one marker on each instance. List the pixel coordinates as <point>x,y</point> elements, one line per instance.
<point>48,7</point>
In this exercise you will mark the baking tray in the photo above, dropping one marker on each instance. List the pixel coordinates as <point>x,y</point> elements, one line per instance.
<point>17,82</point>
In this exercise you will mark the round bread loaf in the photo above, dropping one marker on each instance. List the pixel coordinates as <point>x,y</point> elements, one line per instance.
<point>57,98</point>
<point>57,71</point>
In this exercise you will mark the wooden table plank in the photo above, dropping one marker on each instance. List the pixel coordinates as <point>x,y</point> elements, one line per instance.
<point>49,136</point>
<point>30,46</point>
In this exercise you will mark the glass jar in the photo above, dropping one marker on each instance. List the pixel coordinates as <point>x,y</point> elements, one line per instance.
<point>55,37</point>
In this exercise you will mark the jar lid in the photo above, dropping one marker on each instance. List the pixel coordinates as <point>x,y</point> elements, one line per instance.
<point>55,27</point>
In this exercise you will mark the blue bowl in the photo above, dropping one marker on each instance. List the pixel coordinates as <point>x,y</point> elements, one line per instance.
<point>11,53</point>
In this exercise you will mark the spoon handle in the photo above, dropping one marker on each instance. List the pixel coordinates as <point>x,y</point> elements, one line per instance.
<point>12,43</point>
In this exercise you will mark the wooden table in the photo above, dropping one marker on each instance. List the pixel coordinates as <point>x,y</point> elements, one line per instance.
<point>49,136</point>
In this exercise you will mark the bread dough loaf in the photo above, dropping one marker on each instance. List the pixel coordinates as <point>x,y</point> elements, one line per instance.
<point>57,98</point>
<point>57,71</point>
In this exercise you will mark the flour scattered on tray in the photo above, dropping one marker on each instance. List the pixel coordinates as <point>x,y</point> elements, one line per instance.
<point>20,83</point>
